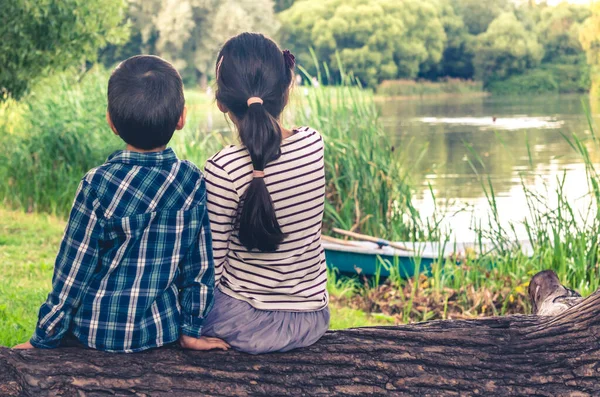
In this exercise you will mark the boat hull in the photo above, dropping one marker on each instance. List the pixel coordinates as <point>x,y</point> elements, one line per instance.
<point>371,259</point>
<point>371,264</point>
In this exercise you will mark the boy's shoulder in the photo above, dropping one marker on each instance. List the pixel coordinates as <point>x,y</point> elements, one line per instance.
<point>110,172</point>
<point>189,166</point>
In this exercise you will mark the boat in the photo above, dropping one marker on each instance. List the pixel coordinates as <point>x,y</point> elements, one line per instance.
<point>369,258</point>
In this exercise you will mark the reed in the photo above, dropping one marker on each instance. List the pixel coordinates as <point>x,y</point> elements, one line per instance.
<point>495,282</point>
<point>62,135</point>
<point>368,187</point>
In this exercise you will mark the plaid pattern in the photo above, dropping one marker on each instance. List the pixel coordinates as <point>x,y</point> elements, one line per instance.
<point>135,266</point>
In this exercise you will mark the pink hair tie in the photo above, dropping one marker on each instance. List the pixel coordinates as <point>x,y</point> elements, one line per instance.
<point>258,174</point>
<point>254,99</point>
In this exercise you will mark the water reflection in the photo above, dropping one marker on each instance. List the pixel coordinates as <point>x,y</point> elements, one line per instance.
<point>518,122</point>
<point>510,140</point>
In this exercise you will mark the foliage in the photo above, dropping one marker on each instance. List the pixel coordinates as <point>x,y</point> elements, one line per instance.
<point>189,33</point>
<point>457,58</point>
<point>478,15</point>
<point>62,136</point>
<point>58,132</point>
<point>388,39</point>
<point>590,41</point>
<point>375,39</point>
<point>570,77</point>
<point>282,5</point>
<point>42,36</point>
<point>506,49</point>
<point>424,87</point>
<point>536,81</point>
<point>558,31</point>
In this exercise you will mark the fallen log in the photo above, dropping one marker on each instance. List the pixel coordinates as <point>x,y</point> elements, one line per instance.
<point>501,356</point>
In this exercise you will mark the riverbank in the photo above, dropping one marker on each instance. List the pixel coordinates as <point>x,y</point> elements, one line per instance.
<point>419,88</point>
<point>370,188</point>
<point>441,95</point>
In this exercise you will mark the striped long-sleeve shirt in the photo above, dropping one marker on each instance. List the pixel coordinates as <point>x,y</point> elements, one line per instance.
<point>135,267</point>
<point>294,277</point>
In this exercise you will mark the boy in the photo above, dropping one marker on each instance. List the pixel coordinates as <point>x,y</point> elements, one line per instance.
<point>135,266</point>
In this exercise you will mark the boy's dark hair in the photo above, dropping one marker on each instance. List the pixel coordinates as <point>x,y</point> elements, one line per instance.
<point>251,65</point>
<point>145,101</point>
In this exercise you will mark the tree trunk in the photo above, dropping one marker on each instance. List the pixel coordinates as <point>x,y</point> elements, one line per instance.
<point>503,356</point>
<point>202,80</point>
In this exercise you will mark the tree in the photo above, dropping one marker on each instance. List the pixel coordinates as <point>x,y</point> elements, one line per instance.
<point>189,33</point>
<point>281,5</point>
<point>590,41</point>
<point>477,15</point>
<point>558,31</point>
<point>457,59</point>
<point>40,36</point>
<point>375,39</point>
<point>506,49</point>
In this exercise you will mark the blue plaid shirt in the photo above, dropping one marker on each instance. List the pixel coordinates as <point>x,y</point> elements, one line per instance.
<point>135,267</point>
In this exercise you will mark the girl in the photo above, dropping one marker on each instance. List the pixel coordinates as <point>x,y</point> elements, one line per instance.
<point>265,202</point>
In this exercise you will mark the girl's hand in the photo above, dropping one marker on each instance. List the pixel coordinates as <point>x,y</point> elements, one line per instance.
<point>24,346</point>
<point>202,343</point>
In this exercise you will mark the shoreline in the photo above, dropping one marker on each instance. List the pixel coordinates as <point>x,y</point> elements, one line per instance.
<point>441,95</point>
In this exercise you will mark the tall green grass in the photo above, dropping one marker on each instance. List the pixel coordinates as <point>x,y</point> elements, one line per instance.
<point>53,136</point>
<point>368,187</point>
<point>62,134</point>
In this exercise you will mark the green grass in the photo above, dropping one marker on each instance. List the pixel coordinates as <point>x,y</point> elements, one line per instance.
<point>345,317</point>
<point>28,244</point>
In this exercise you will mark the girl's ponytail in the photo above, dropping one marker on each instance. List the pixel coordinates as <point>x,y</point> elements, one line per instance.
<point>253,80</point>
<point>258,225</point>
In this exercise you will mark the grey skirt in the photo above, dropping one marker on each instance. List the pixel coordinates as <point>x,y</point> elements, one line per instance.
<point>261,331</point>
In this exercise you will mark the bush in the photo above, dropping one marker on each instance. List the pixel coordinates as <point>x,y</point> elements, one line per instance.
<point>534,82</point>
<point>62,134</point>
<point>571,78</point>
<point>423,87</point>
<point>42,36</point>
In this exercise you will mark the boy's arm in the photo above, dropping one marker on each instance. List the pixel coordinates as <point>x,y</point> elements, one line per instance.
<point>75,264</point>
<point>197,279</point>
<point>222,204</point>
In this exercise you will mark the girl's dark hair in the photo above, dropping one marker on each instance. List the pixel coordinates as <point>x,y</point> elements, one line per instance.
<point>252,65</point>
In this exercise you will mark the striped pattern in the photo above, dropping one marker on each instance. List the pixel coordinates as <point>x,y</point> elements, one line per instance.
<point>135,267</point>
<point>294,278</point>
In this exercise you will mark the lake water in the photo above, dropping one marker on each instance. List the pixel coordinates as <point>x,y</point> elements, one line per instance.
<point>497,129</point>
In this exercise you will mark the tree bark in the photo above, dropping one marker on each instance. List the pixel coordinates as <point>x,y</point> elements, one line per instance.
<point>502,356</point>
